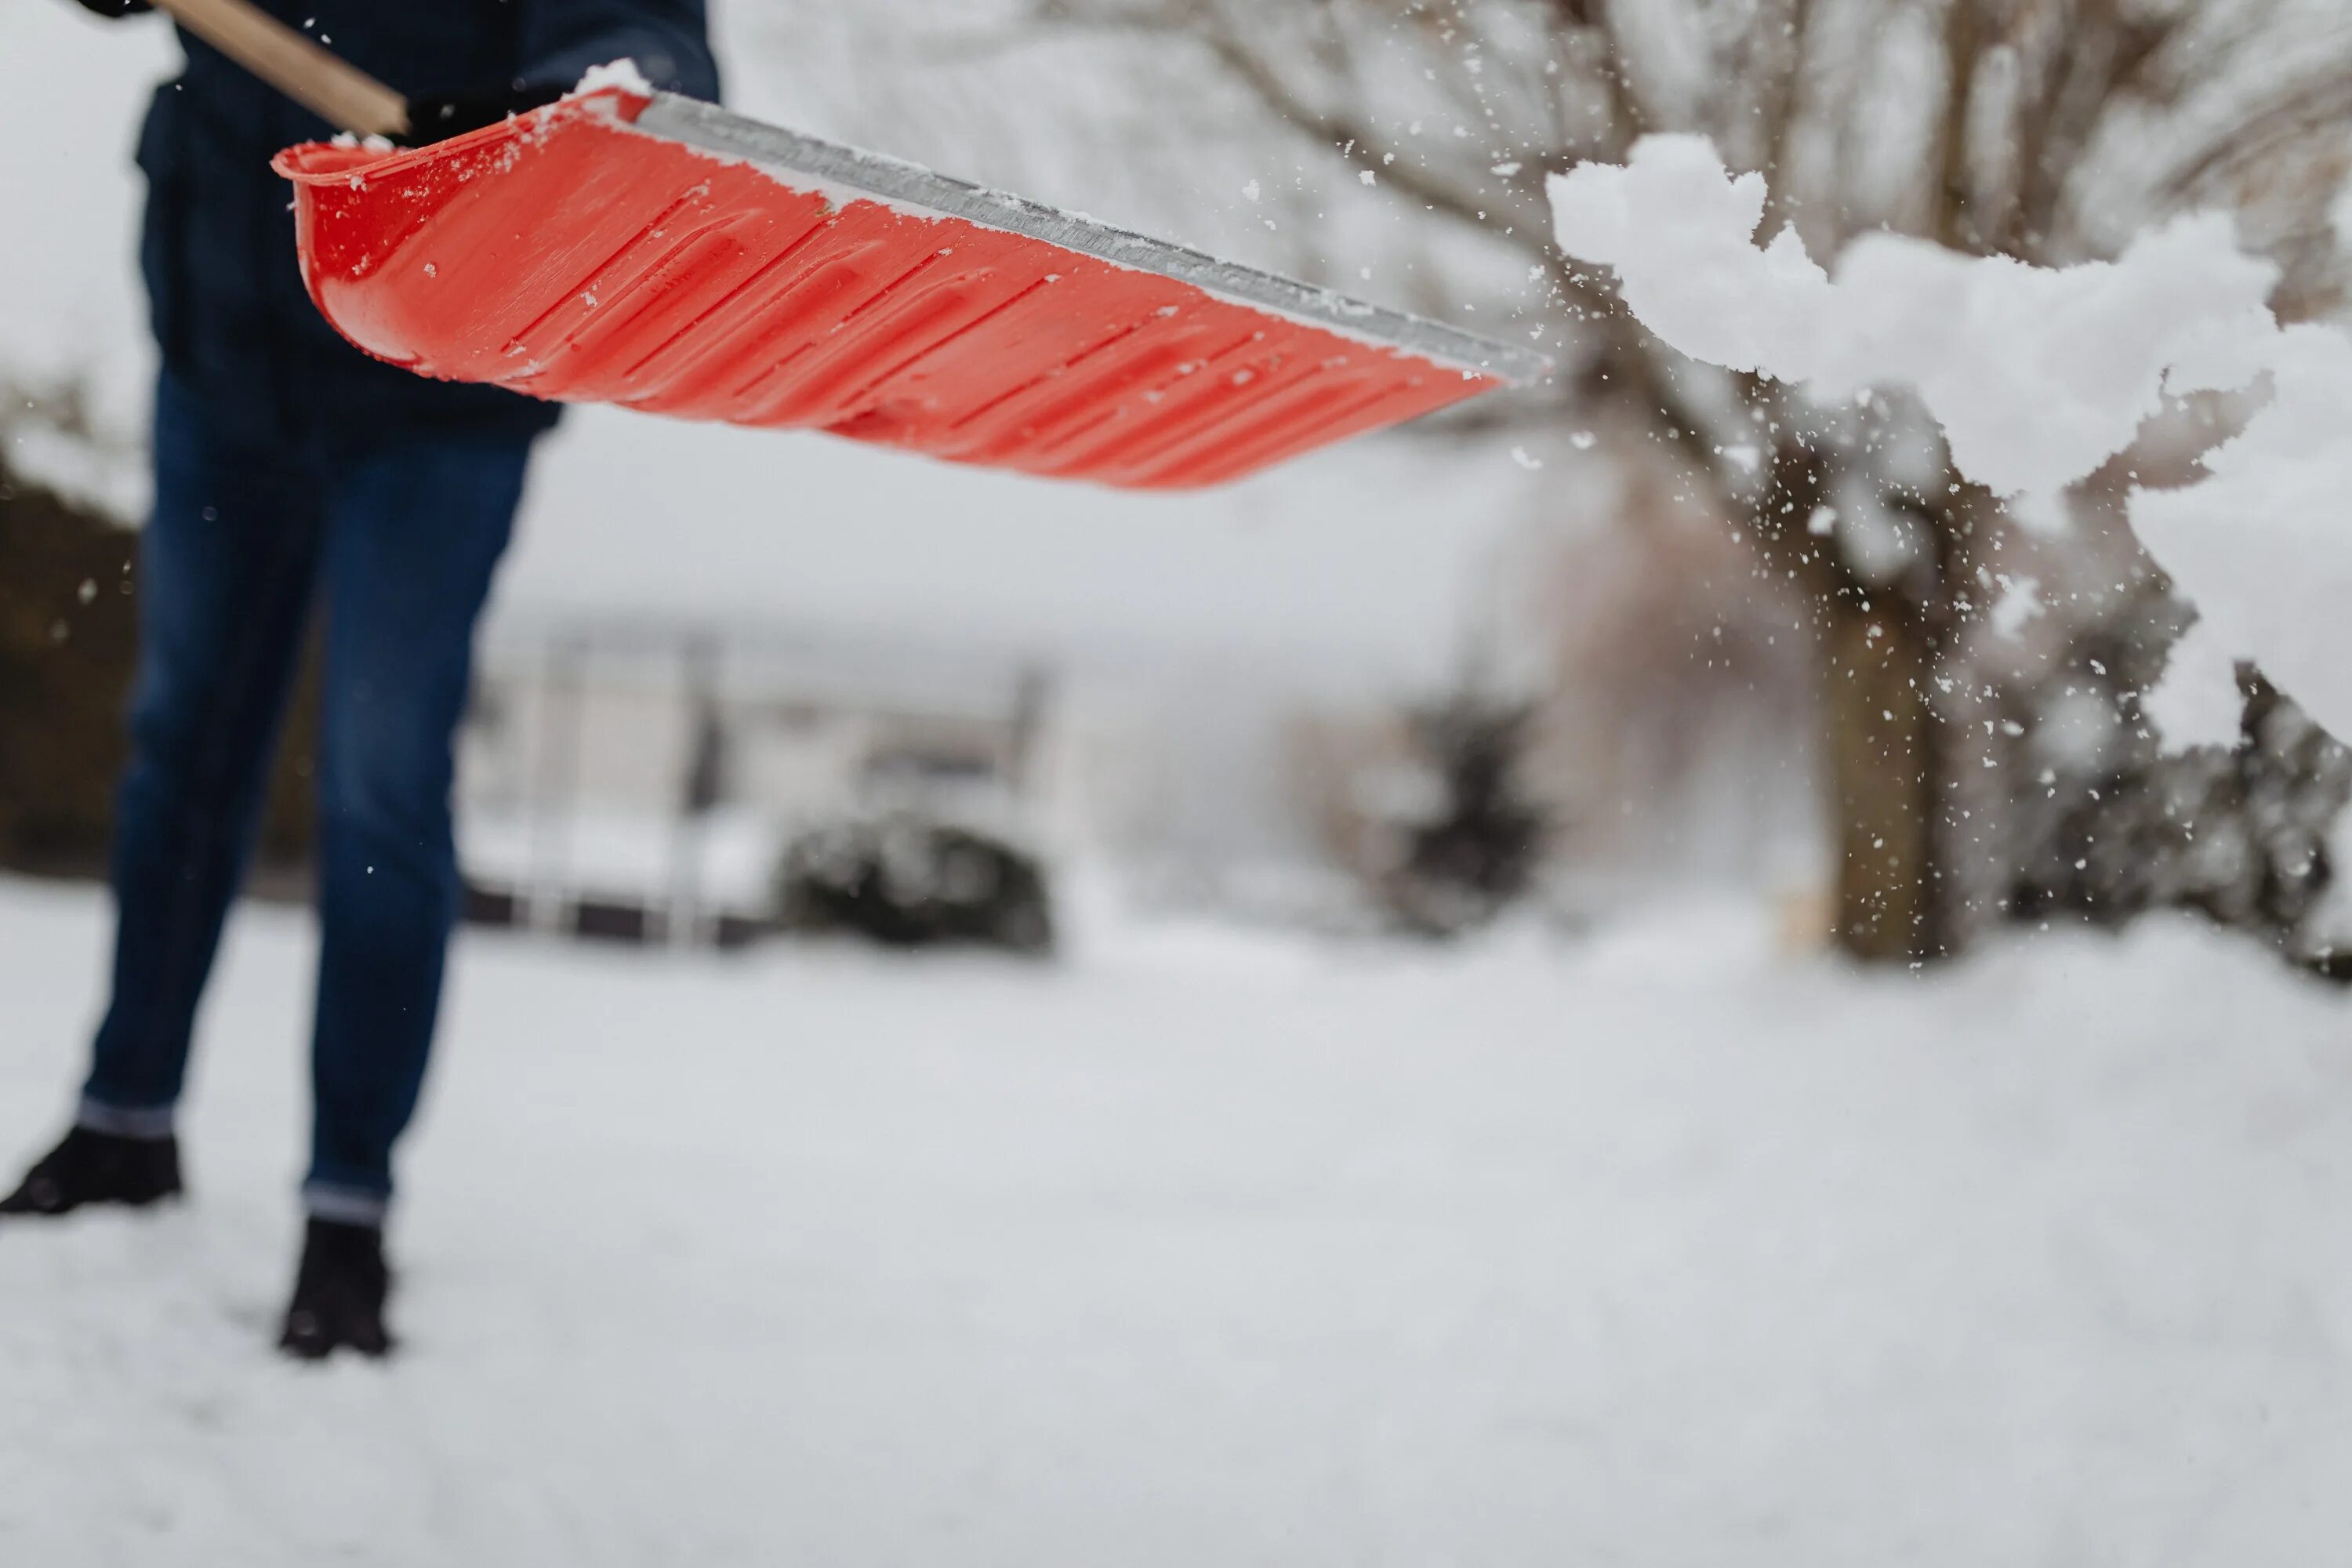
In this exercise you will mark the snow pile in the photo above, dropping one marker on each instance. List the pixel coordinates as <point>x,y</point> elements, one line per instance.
<point>2039,377</point>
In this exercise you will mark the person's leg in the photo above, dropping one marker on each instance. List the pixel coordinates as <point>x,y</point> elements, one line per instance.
<point>227,568</point>
<point>416,531</point>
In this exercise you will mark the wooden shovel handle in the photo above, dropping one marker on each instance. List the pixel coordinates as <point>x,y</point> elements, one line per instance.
<point>333,89</point>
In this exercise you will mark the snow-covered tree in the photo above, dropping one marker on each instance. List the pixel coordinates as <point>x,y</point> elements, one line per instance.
<point>2046,130</point>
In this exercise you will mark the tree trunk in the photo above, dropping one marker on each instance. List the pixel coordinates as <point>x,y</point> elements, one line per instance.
<point>1884,774</point>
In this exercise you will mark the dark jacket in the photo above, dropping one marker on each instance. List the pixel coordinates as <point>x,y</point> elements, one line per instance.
<point>231,313</point>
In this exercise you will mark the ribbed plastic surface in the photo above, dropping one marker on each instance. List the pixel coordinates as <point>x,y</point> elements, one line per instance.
<point>665,256</point>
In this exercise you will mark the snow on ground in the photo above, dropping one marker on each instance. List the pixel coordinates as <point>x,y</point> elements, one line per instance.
<point>1204,1249</point>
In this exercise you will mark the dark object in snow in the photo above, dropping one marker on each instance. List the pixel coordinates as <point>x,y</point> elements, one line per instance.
<point>339,1293</point>
<point>2240,834</point>
<point>496,908</point>
<point>614,920</point>
<point>98,1169</point>
<point>909,881</point>
<point>734,933</point>
<point>1475,845</point>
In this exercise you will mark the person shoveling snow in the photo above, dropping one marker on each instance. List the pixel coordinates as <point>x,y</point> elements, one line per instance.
<point>357,427</point>
<point>291,469</point>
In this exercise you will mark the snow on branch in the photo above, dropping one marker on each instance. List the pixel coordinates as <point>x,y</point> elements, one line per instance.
<point>2039,377</point>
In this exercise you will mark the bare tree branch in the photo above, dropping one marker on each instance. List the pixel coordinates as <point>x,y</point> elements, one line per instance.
<point>2314,108</point>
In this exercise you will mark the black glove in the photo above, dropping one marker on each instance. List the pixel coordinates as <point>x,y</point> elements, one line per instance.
<point>114,10</point>
<point>437,117</point>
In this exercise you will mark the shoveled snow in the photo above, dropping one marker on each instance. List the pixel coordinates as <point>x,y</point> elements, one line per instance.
<point>2199,700</point>
<point>1208,1249</point>
<point>2037,375</point>
<point>622,74</point>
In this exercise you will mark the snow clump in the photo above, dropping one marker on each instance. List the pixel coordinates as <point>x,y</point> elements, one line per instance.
<point>623,74</point>
<point>2039,377</point>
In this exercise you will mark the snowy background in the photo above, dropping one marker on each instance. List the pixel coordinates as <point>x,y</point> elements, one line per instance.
<point>1636,1230</point>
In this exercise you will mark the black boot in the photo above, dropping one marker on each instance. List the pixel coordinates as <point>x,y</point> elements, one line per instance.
<point>98,1168</point>
<point>337,1294</point>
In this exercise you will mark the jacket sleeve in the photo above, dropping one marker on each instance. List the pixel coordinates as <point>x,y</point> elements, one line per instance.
<point>668,39</point>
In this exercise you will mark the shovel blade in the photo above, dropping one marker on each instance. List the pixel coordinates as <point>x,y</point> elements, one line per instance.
<point>663,255</point>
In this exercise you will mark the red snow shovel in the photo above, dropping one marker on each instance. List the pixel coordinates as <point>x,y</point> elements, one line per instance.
<point>642,249</point>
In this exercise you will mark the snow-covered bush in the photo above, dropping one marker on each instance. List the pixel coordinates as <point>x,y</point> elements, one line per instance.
<point>1462,863</point>
<point>2113,824</point>
<point>908,880</point>
<point>1432,812</point>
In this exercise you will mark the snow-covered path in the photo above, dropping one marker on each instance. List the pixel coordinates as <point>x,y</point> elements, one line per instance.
<point>1215,1251</point>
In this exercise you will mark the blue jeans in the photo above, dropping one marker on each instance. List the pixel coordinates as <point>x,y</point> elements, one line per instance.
<point>397,537</point>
